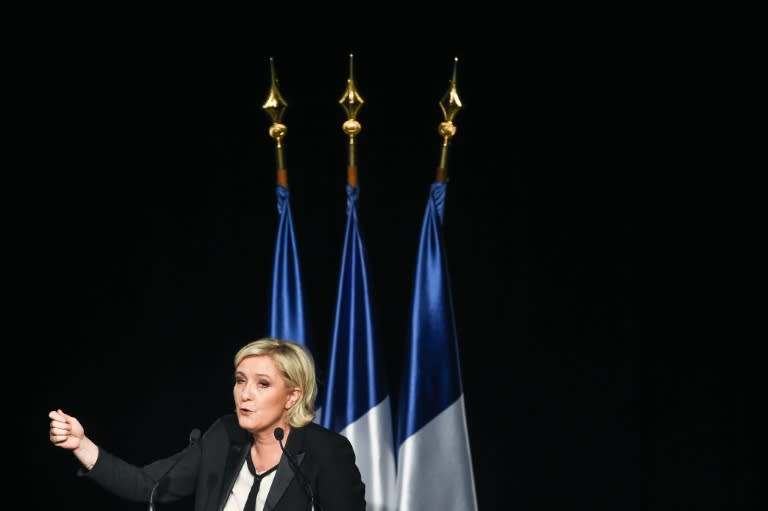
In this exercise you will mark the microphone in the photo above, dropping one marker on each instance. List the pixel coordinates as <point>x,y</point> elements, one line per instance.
<point>279,434</point>
<point>194,436</point>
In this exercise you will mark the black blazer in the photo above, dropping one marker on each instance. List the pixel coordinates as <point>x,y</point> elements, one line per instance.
<point>207,470</point>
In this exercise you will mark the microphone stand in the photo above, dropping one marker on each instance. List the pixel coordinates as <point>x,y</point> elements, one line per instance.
<point>194,436</point>
<point>279,434</point>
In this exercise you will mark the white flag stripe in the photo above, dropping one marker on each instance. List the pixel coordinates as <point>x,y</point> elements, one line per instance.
<point>435,455</point>
<point>375,455</point>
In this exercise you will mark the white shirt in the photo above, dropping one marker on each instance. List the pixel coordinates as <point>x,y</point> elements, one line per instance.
<point>242,488</point>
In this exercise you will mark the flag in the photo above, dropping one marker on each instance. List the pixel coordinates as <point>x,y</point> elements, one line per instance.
<point>434,464</point>
<point>357,403</point>
<point>286,316</point>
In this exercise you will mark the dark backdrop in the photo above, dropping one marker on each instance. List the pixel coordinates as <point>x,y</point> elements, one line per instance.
<point>592,222</point>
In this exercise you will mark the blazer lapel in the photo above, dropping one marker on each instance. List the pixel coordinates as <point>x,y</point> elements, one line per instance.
<point>235,459</point>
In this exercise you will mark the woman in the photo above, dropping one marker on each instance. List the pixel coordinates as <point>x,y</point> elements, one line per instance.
<point>239,463</point>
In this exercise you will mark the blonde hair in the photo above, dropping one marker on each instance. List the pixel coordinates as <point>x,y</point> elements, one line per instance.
<point>298,368</point>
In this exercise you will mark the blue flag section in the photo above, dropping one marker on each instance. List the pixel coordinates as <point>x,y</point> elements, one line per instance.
<point>286,314</point>
<point>357,403</point>
<point>434,458</point>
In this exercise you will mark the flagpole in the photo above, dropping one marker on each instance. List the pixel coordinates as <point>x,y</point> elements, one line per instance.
<point>357,403</point>
<point>351,102</point>
<point>432,417</point>
<point>275,106</point>
<point>450,104</point>
<point>286,304</point>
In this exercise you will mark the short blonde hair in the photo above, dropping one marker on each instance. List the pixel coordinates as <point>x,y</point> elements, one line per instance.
<point>298,368</point>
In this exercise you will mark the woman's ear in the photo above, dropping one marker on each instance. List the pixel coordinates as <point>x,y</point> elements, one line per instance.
<point>293,397</point>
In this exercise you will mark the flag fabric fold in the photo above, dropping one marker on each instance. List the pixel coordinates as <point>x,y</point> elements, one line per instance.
<point>357,402</point>
<point>434,463</point>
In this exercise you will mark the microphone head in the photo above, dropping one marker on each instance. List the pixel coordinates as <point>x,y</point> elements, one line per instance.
<point>194,436</point>
<point>279,433</point>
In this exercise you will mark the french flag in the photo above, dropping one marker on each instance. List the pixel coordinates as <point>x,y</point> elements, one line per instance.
<point>357,402</point>
<point>434,464</point>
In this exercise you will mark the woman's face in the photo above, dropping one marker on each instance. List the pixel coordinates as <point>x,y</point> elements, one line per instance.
<point>262,397</point>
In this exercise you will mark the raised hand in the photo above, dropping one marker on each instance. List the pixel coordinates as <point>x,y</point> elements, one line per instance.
<point>65,431</point>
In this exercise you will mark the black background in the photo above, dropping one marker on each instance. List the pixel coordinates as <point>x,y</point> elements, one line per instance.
<point>603,230</point>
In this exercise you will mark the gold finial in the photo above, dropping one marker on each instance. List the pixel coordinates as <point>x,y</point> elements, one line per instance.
<point>351,101</point>
<point>275,107</point>
<point>450,104</point>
